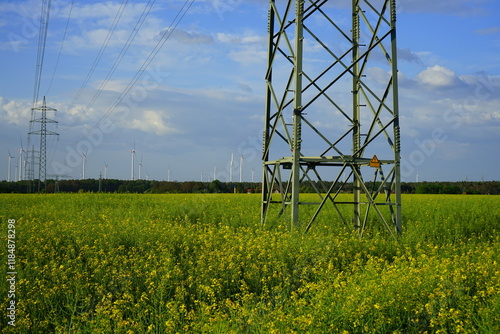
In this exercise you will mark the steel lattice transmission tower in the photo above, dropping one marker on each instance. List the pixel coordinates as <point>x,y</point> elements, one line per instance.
<point>331,114</point>
<point>43,133</point>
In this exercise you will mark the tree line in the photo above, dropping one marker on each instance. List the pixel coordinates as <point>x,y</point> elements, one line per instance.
<point>216,186</point>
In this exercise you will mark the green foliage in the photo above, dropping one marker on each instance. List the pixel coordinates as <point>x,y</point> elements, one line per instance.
<point>202,263</point>
<point>438,188</point>
<point>166,187</point>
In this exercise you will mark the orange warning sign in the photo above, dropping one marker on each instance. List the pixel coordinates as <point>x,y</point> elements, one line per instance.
<point>374,162</point>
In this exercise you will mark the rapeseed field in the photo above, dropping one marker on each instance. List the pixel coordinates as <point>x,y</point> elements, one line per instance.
<point>187,263</point>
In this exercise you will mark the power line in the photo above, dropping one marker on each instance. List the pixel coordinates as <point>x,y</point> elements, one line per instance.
<point>42,39</point>
<point>125,48</point>
<point>60,49</point>
<point>100,53</point>
<point>165,36</point>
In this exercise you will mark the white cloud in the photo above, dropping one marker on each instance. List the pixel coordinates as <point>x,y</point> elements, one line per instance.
<point>26,8</point>
<point>438,76</point>
<point>103,13</point>
<point>248,56</point>
<point>191,37</point>
<point>474,112</point>
<point>90,24</point>
<point>152,121</point>
<point>245,38</point>
<point>252,39</point>
<point>463,112</point>
<point>14,112</point>
<point>246,49</point>
<point>117,86</point>
<point>227,38</point>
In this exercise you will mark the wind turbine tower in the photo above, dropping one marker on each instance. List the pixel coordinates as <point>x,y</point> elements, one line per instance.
<point>140,168</point>
<point>231,164</point>
<point>241,169</point>
<point>132,174</point>
<point>353,44</point>
<point>9,167</point>
<point>84,162</point>
<point>21,164</point>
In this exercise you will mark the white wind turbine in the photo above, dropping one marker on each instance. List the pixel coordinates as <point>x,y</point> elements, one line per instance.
<point>22,163</point>
<point>231,164</point>
<point>8,170</point>
<point>84,162</point>
<point>105,170</point>
<point>21,150</point>
<point>132,174</point>
<point>140,168</point>
<point>241,168</point>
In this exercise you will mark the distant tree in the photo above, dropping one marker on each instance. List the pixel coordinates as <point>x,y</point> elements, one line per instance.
<point>427,188</point>
<point>217,187</point>
<point>450,189</point>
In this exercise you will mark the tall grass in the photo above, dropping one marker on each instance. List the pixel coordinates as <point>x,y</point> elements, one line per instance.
<point>203,264</point>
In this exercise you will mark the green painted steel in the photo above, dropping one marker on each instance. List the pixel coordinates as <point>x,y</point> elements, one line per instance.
<point>297,112</point>
<point>314,135</point>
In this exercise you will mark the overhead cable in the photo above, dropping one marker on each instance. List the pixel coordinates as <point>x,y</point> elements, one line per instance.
<point>164,37</point>
<point>100,53</point>
<point>60,49</point>
<point>119,58</point>
<point>42,39</point>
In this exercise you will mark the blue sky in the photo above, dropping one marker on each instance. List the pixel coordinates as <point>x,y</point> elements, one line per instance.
<point>202,97</point>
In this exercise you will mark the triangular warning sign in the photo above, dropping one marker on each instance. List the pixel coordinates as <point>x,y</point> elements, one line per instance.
<point>374,162</point>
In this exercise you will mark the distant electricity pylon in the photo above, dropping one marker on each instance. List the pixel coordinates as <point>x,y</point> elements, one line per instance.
<point>43,133</point>
<point>332,103</point>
